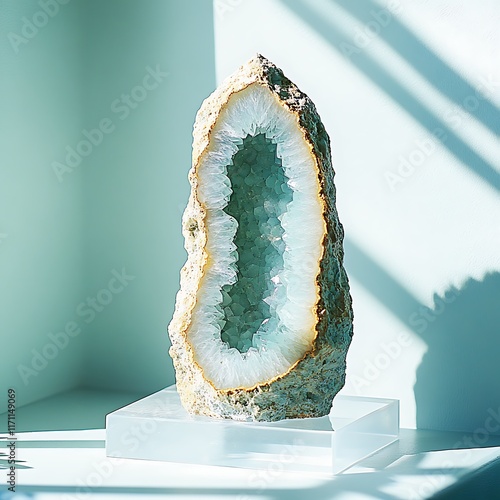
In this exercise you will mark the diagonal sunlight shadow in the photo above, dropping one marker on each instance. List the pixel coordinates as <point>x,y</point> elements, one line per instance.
<point>381,77</point>
<point>366,484</point>
<point>460,330</point>
<point>426,62</point>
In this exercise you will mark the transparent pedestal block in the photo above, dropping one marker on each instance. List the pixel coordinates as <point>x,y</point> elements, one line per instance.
<point>158,428</point>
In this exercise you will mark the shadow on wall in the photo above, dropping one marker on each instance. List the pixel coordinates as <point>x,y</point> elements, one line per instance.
<point>458,380</point>
<point>459,377</point>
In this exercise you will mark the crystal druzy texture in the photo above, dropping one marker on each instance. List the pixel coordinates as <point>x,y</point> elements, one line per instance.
<point>258,202</point>
<point>263,319</point>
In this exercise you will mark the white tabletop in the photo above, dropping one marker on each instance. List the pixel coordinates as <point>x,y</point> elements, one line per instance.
<point>61,444</point>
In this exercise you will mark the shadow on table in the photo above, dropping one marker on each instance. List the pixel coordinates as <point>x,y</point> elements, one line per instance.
<point>457,384</point>
<point>384,485</point>
<point>392,474</point>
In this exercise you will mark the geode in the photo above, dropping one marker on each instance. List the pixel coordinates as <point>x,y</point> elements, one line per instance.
<point>263,318</point>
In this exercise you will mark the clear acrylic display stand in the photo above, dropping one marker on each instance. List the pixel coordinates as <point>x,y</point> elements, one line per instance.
<point>158,428</point>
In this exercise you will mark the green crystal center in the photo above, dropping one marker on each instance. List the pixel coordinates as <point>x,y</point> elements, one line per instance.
<point>259,199</point>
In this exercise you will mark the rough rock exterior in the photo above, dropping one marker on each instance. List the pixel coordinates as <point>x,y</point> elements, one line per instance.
<point>308,388</point>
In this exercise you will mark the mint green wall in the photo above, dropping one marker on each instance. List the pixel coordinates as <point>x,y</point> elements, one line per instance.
<point>136,180</point>
<point>41,257</point>
<point>117,208</point>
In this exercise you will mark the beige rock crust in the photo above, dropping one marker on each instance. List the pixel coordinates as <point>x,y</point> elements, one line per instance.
<point>308,388</point>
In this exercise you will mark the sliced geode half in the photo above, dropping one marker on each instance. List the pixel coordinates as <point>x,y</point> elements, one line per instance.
<point>263,318</point>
